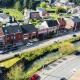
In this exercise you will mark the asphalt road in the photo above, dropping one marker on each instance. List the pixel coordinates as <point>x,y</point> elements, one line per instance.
<point>37,45</point>
<point>64,68</point>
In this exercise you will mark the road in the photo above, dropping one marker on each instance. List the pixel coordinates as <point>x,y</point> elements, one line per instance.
<point>37,45</point>
<point>64,68</point>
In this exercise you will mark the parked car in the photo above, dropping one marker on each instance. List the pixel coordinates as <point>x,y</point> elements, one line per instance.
<point>74,35</point>
<point>77,53</point>
<point>63,78</point>
<point>13,48</point>
<point>29,44</point>
<point>35,77</point>
<point>3,51</point>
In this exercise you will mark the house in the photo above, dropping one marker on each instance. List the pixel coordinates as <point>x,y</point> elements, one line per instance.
<point>13,35</point>
<point>4,18</point>
<point>61,23</point>
<point>76,21</point>
<point>66,23</point>
<point>75,10</point>
<point>64,3</point>
<point>35,15</point>
<point>48,27</point>
<point>29,31</point>
<point>43,13</point>
<point>2,40</point>
<point>69,23</point>
<point>30,14</point>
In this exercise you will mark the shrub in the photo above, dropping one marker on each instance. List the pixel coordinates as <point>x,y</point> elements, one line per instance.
<point>16,73</point>
<point>66,48</point>
<point>43,5</point>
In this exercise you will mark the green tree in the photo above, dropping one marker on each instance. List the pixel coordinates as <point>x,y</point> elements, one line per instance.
<point>66,48</point>
<point>16,73</point>
<point>43,5</point>
<point>18,5</point>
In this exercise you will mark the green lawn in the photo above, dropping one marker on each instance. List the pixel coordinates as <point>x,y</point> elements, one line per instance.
<point>13,12</point>
<point>10,62</point>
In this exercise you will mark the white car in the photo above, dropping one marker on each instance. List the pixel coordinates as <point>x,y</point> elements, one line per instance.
<point>29,44</point>
<point>74,70</point>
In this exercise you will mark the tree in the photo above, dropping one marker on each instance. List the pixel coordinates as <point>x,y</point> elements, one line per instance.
<point>66,48</point>
<point>16,73</point>
<point>43,5</point>
<point>17,5</point>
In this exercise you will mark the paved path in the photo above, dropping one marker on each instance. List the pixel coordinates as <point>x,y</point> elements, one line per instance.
<point>37,45</point>
<point>64,68</point>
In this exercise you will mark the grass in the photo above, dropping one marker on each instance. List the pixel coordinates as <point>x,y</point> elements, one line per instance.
<point>14,12</point>
<point>10,62</point>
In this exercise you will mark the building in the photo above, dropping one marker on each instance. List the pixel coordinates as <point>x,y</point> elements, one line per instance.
<point>35,15</point>
<point>13,35</point>
<point>61,23</point>
<point>43,13</point>
<point>48,27</point>
<point>4,18</point>
<point>66,23</point>
<point>76,21</point>
<point>2,39</point>
<point>29,31</point>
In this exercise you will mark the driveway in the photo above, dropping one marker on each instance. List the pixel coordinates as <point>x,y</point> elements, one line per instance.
<point>65,67</point>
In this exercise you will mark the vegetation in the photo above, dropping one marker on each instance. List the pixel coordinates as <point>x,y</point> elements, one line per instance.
<point>47,60</point>
<point>15,13</point>
<point>35,21</point>
<point>9,63</point>
<point>43,5</point>
<point>31,55</point>
<point>16,73</point>
<point>18,4</point>
<point>66,48</point>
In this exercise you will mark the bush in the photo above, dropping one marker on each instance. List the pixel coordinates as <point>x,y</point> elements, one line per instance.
<point>15,13</point>
<point>43,5</point>
<point>66,48</point>
<point>16,73</point>
<point>60,10</point>
<point>34,54</point>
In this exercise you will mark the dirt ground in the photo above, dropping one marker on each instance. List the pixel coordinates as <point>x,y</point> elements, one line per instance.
<point>76,76</point>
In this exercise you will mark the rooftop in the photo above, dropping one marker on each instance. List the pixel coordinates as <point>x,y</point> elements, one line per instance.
<point>2,15</point>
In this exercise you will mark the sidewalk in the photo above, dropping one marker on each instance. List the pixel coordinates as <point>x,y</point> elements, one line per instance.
<point>76,76</point>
